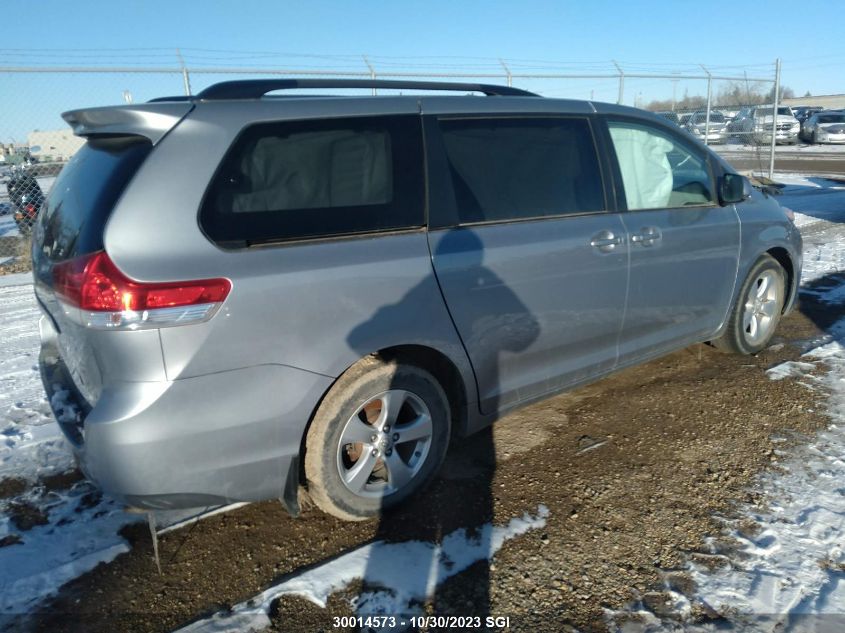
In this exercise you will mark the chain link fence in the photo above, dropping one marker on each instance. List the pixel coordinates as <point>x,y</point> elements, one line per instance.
<point>35,143</point>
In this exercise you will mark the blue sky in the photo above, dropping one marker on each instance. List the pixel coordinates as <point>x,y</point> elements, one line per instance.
<point>581,37</point>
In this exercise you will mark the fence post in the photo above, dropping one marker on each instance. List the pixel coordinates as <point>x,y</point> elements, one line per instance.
<point>507,72</point>
<point>372,72</point>
<point>621,83</point>
<point>186,79</point>
<point>709,100</point>
<point>774,120</point>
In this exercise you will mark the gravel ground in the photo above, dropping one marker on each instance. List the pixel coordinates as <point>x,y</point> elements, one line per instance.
<point>633,469</point>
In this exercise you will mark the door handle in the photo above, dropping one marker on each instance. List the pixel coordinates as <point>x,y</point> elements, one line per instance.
<point>647,236</point>
<point>605,241</point>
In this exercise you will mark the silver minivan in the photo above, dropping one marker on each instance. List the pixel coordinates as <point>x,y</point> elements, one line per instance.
<point>246,296</point>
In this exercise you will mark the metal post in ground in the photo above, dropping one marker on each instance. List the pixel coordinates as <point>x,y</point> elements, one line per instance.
<point>372,72</point>
<point>674,92</point>
<point>508,74</point>
<point>621,83</point>
<point>709,101</point>
<point>186,79</point>
<point>774,119</point>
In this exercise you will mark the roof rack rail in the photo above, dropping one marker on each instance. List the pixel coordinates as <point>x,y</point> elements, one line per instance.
<point>175,98</point>
<point>257,88</point>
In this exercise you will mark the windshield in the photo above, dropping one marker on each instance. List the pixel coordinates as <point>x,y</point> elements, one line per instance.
<point>715,117</point>
<point>761,112</point>
<point>832,118</point>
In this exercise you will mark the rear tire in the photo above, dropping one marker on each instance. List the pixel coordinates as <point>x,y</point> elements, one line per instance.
<point>757,311</point>
<point>355,467</point>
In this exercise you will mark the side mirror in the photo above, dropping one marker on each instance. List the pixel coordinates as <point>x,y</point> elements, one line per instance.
<point>733,188</point>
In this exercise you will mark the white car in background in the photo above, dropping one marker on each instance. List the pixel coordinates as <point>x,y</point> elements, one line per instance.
<point>697,125</point>
<point>825,127</point>
<point>757,125</point>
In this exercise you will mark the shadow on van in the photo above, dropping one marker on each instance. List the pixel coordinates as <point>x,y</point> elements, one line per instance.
<point>461,495</point>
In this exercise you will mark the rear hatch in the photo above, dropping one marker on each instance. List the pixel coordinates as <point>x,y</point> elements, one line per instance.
<point>71,226</point>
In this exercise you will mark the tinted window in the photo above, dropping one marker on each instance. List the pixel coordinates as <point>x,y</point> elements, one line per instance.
<point>306,179</point>
<point>831,118</point>
<point>84,194</point>
<point>761,112</point>
<point>715,117</point>
<point>658,171</point>
<point>514,168</point>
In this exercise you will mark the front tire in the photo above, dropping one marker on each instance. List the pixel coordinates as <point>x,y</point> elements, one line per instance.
<point>378,437</point>
<point>757,311</point>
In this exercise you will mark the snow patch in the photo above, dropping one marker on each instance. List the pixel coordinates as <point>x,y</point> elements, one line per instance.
<point>379,564</point>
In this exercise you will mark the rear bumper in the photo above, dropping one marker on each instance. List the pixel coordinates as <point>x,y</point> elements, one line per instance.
<point>219,438</point>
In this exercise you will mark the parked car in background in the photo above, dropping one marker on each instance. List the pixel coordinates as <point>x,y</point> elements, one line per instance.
<point>802,113</point>
<point>712,132</point>
<point>26,198</point>
<point>757,125</point>
<point>333,285</point>
<point>683,117</point>
<point>735,126</point>
<point>729,114</point>
<point>825,127</point>
<point>669,115</point>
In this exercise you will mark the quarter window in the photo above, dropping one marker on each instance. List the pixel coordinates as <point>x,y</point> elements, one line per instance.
<point>517,168</point>
<point>309,179</point>
<point>658,171</point>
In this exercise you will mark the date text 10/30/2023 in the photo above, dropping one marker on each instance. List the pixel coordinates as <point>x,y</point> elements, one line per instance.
<point>422,621</point>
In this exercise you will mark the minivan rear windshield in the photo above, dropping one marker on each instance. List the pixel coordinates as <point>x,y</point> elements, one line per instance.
<point>84,194</point>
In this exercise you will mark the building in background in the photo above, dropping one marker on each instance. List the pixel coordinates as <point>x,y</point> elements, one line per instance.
<point>53,145</point>
<point>12,153</point>
<point>828,102</point>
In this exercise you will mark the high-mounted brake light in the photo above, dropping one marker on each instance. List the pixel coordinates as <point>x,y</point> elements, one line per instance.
<point>108,299</point>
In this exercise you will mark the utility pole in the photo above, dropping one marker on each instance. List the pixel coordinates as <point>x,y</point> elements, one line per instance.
<point>621,82</point>
<point>674,93</point>
<point>372,72</point>
<point>508,74</point>
<point>774,119</point>
<point>709,94</point>
<point>186,79</point>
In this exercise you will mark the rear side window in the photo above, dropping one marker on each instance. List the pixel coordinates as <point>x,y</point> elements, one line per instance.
<point>84,194</point>
<point>518,168</point>
<point>311,179</point>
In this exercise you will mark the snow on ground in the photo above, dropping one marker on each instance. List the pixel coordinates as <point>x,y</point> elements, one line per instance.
<point>81,527</point>
<point>736,145</point>
<point>30,442</point>
<point>817,197</point>
<point>378,564</point>
<point>788,574</point>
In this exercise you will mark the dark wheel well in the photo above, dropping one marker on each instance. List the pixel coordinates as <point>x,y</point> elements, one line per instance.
<point>434,362</point>
<point>782,258</point>
<point>442,368</point>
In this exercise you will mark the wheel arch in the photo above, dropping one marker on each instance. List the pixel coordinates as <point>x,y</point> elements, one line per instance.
<point>436,362</point>
<point>781,255</point>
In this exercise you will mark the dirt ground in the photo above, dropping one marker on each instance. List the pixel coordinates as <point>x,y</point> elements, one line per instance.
<point>672,443</point>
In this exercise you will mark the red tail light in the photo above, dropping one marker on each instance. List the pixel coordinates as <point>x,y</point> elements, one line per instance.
<point>30,210</point>
<point>92,282</point>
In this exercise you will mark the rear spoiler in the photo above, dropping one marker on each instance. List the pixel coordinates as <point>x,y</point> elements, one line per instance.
<point>151,120</point>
